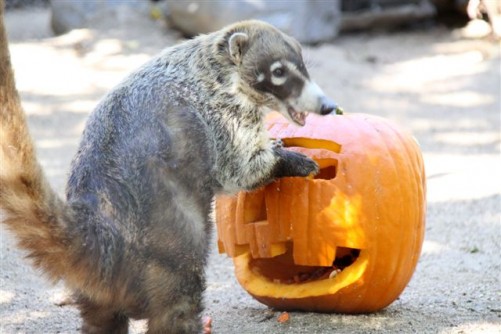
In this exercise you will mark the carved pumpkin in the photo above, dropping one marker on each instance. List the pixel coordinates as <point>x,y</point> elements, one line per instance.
<point>347,240</point>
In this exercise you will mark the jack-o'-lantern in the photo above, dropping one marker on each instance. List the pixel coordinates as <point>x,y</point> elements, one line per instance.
<point>346,240</point>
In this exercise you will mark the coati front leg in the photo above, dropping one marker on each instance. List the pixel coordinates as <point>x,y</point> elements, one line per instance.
<point>274,162</point>
<point>175,300</point>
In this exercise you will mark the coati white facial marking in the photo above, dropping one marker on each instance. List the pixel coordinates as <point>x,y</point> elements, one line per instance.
<point>278,74</point>
<point>282,82</point>
<point>275,65</point>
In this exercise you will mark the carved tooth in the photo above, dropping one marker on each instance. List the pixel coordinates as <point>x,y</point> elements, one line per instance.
<point>334,273</point>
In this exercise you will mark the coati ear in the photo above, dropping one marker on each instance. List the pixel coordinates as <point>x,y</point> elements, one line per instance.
<point>237,46</point>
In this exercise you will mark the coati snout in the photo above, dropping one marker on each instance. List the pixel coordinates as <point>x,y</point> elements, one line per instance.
<point>272,65</point>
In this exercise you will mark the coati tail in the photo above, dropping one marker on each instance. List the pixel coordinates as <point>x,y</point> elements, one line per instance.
<point>28,206</point>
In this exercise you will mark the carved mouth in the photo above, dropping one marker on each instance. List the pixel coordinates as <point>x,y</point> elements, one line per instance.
<point>282,269</point>
<point>298,117</point>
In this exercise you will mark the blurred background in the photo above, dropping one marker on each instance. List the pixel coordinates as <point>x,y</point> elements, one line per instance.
<point>432,66</point>
<point>310,21</point>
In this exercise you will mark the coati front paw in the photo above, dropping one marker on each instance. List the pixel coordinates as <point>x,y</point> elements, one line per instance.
<point>294,164</point>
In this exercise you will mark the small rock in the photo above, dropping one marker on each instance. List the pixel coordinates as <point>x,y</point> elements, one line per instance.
<point>283,317</point>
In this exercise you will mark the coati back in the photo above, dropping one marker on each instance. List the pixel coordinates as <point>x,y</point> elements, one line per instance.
<point>131,239</point>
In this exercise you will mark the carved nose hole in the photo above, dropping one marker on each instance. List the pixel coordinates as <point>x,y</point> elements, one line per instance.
<point>327,173</point>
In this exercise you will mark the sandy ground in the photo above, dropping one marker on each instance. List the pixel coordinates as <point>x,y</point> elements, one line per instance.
<point>443,89</point>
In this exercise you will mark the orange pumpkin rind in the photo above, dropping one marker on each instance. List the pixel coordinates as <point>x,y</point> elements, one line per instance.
<point>368,199</point>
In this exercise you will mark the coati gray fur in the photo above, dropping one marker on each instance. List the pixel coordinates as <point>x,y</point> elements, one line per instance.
<point>131,239</point>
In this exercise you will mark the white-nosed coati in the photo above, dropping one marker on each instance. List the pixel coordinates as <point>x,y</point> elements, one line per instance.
<point>131,238</point>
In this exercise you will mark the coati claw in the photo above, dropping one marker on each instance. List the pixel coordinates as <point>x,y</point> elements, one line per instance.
<point>294,164</point>
<point>308,167</point>
<point>207,323</point>
<point>277,143</point>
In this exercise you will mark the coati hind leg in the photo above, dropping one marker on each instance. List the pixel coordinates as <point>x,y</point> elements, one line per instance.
<point>98,319</point>
<point>175,301</point>
<point>181,318</point>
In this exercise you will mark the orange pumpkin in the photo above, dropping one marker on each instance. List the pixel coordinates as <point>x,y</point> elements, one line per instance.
<point>347,240</point>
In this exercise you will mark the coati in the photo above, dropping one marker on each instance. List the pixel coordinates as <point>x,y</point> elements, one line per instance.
<point>131,239</point>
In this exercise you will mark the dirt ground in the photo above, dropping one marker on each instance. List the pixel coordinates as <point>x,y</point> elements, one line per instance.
<point>442,88</point>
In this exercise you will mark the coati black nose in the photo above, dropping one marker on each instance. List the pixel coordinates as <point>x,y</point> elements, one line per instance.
<point>328,106</point>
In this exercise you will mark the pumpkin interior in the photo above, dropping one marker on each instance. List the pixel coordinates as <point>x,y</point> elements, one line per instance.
<point>282,269</point>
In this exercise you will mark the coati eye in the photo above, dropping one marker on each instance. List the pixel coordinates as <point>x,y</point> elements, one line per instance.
<point>279,72</point>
